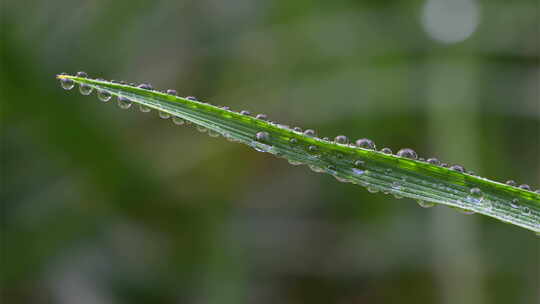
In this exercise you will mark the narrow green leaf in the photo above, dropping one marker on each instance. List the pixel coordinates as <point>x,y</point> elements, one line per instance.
<point>401,175</point>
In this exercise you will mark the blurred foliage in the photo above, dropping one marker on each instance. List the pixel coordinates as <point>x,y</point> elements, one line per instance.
<point>104,206</point>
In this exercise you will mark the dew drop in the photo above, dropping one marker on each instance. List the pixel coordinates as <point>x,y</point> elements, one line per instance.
<point>514,203</point>
<point>425,204</point>
<point>85,89</point>
<point>191,98</point>
<point>145,86</point>
<point>341,139</point>
<point>365,143</point>
<point>144,108</point>
<point>293,141</point>
<point>326,138</point>
<point>172,92</point>
<point>124,103</point>
<point>511,183</point>
<point>313,149</point>
<point>261,116</point>
<point>67,84</point>
<point>201,129</point>
<point>244,112</point>
<point>525,187</point>
<point>262,136</point>
<point>297,129</point>
<point>316,169</point>
<point>178,121</point>
<point>358,171</point>
<point>103,95</point>
<point>372,190</point>
<point>475,195</point>
<point>213,133</point>
<point>164,115</point>
<point>464,211</point>
<point>457,168</point>
<point>537,191</point>
<point>525,210</point>
<point>386,150</point>
<point>433,161</point>
<point>226,108</point>
<point>294,162</point>
<point>444,165</point>
<point>396,186</point>
<point>359,163</point>
<point>82,74</point>
<point>407,153</point>
<point>309,132</point>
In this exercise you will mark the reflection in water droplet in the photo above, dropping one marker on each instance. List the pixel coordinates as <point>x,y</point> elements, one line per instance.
<point>178,121</point>
<point>365,144</point>
<point>67,84</point>
<point>123,102</point>
<point>164,115</point>
<point>425,204</point>
<point>407,153</point>
<point>103,95</point>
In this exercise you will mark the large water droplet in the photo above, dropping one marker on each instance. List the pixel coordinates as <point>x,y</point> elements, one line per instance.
<point>457,168</point>
<point>425,204</point>
<point>178,121</point>
<point>433,161</point>
<point>85,89</point>
<point>341,139</point>
<point>309,132</point>
<point>103,95</point>
<point>164,115</point>
<point>124,103</point>
<point>386,150</point>
<point>407,153</point>
<point>262,136</point>
<point>365,143</point>
<point>144,108</point>
<point>475,195</point>
<point>67,84</point>
<point>525,187</point>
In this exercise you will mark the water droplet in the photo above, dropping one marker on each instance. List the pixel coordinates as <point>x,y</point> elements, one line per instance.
<point>511,183</point>
<point>421,159</point>
<point>201,129</point>
<point>396,186</point>
<point>316,169</point>
<point>294,162</point>
<point>386,150</point>
<point>213,133</point>
<point>425,204</point>
<point>309,132</point>
<point>172,92</point>
<point>358,171</point>
<point>514,203</point>
<point>178,121</point>
<point>297,129</point>
<point>326,138</point>
<point>372,190</point>
<point>444,165</point>
<point>144,108</point>
<point>164,115</point>
<point>226,108</point>
<point>475,192</point>
<point>457,168</point>
<point>537,191</point>
<point>103,95</point>
<point>331,169</point>
<point>525,187</point>
<point>341,139</point>
<point>313,149</point>
<point>82,74</point>
<point>359,163</point>
<point>192,98</point>
<point>388,171</point>
<point>407,153</point>
<point>124,103</point>
<point>262,136</point>
<point>244,112</point>
<point>475,195</point>
<point>525,210</point>
<point>67,84</point>
<point>434,161</point>
<point>261,116</point>
<point>293,141</point>
<point>365,143</point>
<point>145,86</point>
<point>85,89</point>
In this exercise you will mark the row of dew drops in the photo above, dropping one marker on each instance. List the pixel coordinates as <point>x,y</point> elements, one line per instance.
<point>475,194</point>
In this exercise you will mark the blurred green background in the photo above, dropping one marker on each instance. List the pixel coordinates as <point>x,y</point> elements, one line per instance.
<point>101,205</point>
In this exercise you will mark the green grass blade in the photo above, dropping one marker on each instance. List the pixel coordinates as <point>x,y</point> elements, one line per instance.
<point>399,175</point>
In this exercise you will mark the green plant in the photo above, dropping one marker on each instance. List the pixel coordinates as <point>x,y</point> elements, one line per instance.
<point>402,174</point>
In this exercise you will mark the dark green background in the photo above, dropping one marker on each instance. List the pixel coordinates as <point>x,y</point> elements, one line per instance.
<point>101,205</point>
